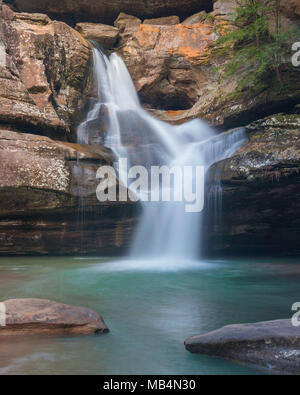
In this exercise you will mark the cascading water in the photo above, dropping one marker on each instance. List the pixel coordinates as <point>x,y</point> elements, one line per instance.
<point>165,230</point>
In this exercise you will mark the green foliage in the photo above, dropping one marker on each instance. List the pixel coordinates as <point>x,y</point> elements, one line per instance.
<point>258,45</point>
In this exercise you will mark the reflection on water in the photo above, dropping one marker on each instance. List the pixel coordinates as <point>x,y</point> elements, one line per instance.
<point>157,265</point>
<point>150,312</point>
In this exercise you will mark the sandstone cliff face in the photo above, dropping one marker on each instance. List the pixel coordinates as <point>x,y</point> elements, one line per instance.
<point>47,188</point>
<point>175,70</point>
<point>48,199</point>
<point>107,11</point>
<point>103,34</point>
<point>164,60</point>
<point>43,74</point>
<point>261,191</point>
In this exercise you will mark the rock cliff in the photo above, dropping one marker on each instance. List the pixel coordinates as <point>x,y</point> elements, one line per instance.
<point>46,180</point>
<point>106,11</point>
<point>48,199</point>
<point>176,70</point>
<point>261,191</point>
<point>43,73</point>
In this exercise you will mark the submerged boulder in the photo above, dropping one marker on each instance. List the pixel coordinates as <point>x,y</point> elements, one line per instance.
<point>271,344</point>
<point>45,317</point>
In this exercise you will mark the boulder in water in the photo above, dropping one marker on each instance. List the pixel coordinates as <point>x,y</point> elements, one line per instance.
<point>45,317</point>
<point>271,344</point>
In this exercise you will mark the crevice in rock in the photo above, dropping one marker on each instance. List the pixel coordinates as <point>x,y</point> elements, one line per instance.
<point>251,115</point>
<point>39,130</point>
<point>174,101</point>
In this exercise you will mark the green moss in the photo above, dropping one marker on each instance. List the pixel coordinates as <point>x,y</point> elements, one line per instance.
<point>256,55</point>
<point>210,19</point>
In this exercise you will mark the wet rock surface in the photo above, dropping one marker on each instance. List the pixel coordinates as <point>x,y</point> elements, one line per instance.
<point>45,317</point>
<point>47,189</point>
<point>261,191</point>
<point>48,199</point>
<point>272,344</point>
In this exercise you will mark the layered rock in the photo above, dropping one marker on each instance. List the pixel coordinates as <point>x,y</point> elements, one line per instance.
<point>44,185</point>
<point>164,63</point>
<point>176,70</point>
<point>127,25</point>
<point>200,17</point>
<point>104,35</point>
<point>106,11</point>
<point>45,317</point>
<point>261,192</point>
<point>48,199</point>
<point>271,344</point>
<point>169,20</point>
<point>43,75</point>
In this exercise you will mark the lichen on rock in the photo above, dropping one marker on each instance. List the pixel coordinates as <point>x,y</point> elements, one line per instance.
<point>44,75</point>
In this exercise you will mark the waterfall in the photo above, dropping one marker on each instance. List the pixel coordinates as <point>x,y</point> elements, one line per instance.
<point>118,121</point>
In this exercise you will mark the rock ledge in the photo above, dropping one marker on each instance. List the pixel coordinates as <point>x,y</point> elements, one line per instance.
<point>45,317</point>
<point>271,344</point>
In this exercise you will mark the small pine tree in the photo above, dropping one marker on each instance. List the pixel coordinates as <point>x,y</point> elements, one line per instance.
<point>258,51</point>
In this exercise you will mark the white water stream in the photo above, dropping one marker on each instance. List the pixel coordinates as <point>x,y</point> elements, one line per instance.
<point>166,230</point>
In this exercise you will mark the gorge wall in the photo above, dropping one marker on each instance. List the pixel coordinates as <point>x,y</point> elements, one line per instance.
<point>45,68</point>
<point>104,11</point>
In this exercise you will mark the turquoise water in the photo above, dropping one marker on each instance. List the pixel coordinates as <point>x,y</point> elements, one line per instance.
<point>150,312</point>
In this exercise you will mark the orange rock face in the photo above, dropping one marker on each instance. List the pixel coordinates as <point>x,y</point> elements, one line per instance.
<point>192,42</point>
<point>176,69</point>
<point>169,56</point>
